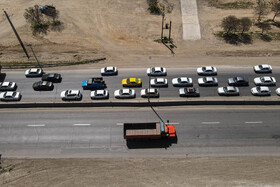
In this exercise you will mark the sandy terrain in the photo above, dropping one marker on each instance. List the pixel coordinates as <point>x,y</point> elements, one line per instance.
<point>122,31</point>
<point>240,171</point>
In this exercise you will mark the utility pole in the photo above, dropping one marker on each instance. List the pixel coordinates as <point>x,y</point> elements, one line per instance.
<point>169,31</point>
<point>16,34</point>
<point>162,22</point>
<point>30,45</point>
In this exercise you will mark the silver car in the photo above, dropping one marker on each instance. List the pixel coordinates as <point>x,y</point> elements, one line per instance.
<point>182,82</point>
<point>159,82</point>
<point>156,71</point>
<point>263,68</point>
<point>34,72</point>
<point>228,91</point>
<point>125,93</point>
<point>265,81</point>
<point>208,81</point>
<point>207,70</point>
<point>150,93</point>
<point>8,86</point>
<point>99,94</point>
<point>260,91</point>
<point>10,96</point>
<point>109,71</point>
<point>71,95</point>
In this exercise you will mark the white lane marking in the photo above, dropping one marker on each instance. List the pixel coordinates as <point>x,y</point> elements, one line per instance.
<point>211,122</point>
<point>38,125</point>
<point>82,124</point>
<point>119,124</point>
<point>253,122</point>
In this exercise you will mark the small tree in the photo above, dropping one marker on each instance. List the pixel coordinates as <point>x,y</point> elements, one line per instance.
<point>245,24</point>
<point>261,9</point>
<point>33,15</point>
<point>264,26</point>
<point>275,8</point>
<point>230,24</point>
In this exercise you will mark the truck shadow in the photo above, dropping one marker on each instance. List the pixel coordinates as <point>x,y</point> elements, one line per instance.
<point>2,77</point>
<point>149,144</point>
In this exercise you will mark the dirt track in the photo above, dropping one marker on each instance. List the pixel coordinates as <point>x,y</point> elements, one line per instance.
<point>143,172</point>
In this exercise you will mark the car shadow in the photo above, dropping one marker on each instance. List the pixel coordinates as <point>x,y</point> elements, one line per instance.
<point>150,144</point>
<point>2,77</point>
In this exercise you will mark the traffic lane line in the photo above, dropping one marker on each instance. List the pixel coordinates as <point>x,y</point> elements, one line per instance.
<point>81,124</point>
<point>253,122</point>
<point>211,122</point>
<point>37,125</point>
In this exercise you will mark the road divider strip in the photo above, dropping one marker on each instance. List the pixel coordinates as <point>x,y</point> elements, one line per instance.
<point>137,103</point>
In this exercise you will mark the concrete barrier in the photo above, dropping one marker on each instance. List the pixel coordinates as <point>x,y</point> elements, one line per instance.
<point>138,103</point>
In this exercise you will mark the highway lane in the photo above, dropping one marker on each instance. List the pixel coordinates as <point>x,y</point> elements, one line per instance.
<point>72,79</point>
<point>97,132</point>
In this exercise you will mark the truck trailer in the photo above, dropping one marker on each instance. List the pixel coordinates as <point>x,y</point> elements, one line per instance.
<point>150,130</point>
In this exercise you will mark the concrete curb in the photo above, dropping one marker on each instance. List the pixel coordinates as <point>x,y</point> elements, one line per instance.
<point>137,104</point>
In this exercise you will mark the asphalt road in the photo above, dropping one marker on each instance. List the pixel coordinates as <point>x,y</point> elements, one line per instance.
<point>98,132</point>
<point>72,79</point>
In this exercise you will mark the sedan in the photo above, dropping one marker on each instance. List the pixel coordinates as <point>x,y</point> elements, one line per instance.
<point>260,91</point>
<point>43,86</point>
<point>159,82</point>
<point>34,72</point>
<point>8,86</point>
<point>10,96</point>
<point>156,71</point>
<point>208,81</point>
<point>238,81</point>
<point>228,91</point>
<point>189,92</point>
<point>125,93</point>
<point>149,93</point>
<point>132,82</point>
<point>265,81</point>
<point>207,70</point>
<point>99,94</point>
<point>182,82</point>
<point>71,95</point>
<point>109,71</point>
<point>52,77</point>
<point>277,91</point>
<point>263,68</point>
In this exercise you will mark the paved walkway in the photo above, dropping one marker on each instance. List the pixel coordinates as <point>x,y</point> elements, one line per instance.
<point>191,27</point>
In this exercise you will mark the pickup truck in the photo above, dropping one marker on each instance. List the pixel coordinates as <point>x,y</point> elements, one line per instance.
<point>94,83</point>
<point>150,130</point>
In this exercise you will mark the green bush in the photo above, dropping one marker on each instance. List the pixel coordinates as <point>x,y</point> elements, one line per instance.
<point>154,7</point>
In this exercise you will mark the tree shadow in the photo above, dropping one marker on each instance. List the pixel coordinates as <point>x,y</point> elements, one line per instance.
<point>57,26</point>
<point>246,38</point>
<point>276,24</point>
<point>149,144</point>
<point>265,37</point>
<point>231,38</point>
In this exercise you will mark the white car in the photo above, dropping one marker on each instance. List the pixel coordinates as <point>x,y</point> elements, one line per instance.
<point>152,92</point>
<point>228,91</point>
<point>263,68</point>
<point>156,71</point>
<point>182,82</point>
<point>10,96</point>
<point>265,81</point>
<point>109,71</point>
<point>207,70</point>
<point>277,91</point>
<point>125,93</point>
<point>34,72</point>
<point>8,86</point>
<point>99,94</point>
<point>260,91</point>
<point>208,81</point>
<point>73,95</point>
<point>159,82</point>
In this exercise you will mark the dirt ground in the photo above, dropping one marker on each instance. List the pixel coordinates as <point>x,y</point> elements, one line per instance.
<point>238,171</point>
<point>122,31</point>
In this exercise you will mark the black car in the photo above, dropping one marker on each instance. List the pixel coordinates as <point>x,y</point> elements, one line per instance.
<point>238,81</point>
<point>52,77</point>
<point>43,86</point>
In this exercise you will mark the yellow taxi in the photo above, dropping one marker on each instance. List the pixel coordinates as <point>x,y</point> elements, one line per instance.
<point>132,82</point>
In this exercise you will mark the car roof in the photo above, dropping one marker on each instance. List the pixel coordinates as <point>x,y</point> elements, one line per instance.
<point>264,88</point>
<point>184,79</point>
<point>100,91</point>
<point>208,67</point>
<point>125,90</point>
<point>74,92</point>
<point>209,78</point>
<point>266,78</point>
<point>5,83</point>
<point>265,65</point>
<point>231,88</point>
<point>151,90</point>
<point>158,68</point>
<point>132,79</point>
<point>160,79</point>
<point>110,68</point>
<point>34,70</point>
<point>9,94</point>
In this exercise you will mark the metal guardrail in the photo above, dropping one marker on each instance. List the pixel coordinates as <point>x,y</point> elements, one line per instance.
<point>21,66</point>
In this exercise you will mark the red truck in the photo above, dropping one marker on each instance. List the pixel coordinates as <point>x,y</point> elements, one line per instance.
<point>150,130</point>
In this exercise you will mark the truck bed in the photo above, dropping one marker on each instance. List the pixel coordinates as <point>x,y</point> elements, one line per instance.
<point>142,130</point>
